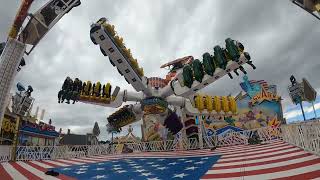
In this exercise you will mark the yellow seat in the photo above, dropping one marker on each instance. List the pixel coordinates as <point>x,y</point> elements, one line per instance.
<point>217,103</point>
<point>233,105</point>
<point>119,41</point>
<point>110,29</point>
<point>107,90</point>
<point>140,71</point>
<point>134,63</point>
<point>86,88</point>
<point>225,104</point>
<point>97,89</point>
<point>199,103</point>
<point>209,104</point>
<point>126,52</point>
<point>317,7</point>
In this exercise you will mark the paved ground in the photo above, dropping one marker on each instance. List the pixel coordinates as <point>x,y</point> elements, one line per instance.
<point>277,160</point>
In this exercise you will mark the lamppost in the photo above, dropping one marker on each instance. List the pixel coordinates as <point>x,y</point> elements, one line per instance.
<point>21,105</point>
<point>314,110</point>
<point>300,92</point>
<point>295,92</point>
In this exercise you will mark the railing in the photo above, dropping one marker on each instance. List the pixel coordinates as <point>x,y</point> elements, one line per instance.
<point>60,152</point>
<point>24,153</point>
<point>5,153</point>
<point>305,136</point>
<point>232,138</point>
<point>169,145</point>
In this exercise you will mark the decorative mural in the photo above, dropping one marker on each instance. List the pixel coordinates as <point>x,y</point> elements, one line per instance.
<point>153,130</point>
<point>260,106</point>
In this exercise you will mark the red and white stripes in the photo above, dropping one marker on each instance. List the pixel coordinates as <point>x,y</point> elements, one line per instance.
<point>277,160</point>
<point>35,169</point>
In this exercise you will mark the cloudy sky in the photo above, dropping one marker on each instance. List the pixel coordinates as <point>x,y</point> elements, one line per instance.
<point>281,38</point>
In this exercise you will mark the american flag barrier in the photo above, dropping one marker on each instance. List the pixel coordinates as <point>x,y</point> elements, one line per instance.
<point>305,136</point>
<point>5,153</point>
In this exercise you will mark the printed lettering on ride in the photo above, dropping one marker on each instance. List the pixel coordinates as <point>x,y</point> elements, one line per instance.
<point>295,93</point>
<point>264,95</point>
<point>295,89</point>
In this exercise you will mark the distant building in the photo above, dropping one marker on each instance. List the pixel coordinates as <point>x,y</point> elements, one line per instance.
<point>30,132</point>
<point>78,139</point>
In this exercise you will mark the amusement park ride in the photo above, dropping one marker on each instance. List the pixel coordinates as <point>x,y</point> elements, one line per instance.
<point>155,95</point>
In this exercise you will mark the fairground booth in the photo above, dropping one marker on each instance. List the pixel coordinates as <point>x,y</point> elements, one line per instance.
<point>30,132</point>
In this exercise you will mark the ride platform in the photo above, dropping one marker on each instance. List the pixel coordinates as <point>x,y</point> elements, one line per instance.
<point>275,160</point>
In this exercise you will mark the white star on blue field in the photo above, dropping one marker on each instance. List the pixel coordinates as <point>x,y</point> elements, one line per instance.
<point>189,168</point>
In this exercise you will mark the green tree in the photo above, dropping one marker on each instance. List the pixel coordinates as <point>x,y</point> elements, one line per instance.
<point>96,129</point>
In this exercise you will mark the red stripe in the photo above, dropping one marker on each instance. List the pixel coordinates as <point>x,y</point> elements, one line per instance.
<point>23,171</point>
<point>250,149</point>
<point>257,153</point>
<point>304,176</point>
<point>3,174</point>
<point>254,158</point>
<point>61,176</point>
<point>261,82</point>
<point>264,162</point>
<point>263,171</point>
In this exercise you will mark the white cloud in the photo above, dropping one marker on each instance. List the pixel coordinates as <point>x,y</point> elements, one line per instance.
<point>278,38</point>
<point>292,114</point>
<point>297,112</point>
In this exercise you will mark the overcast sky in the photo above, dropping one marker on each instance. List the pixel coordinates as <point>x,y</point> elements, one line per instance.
<point>281,38</point>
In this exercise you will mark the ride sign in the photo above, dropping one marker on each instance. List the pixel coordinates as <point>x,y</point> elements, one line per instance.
<point>295,93</point>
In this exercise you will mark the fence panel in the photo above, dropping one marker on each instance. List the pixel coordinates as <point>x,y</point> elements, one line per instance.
<point>305,136</point>
<point>5,153</point>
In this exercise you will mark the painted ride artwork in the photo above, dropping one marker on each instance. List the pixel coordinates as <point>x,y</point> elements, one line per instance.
<point>186,131</point>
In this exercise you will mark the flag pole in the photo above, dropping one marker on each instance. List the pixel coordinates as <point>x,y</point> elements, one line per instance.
<point>314,110</point>
<point>304,117</point>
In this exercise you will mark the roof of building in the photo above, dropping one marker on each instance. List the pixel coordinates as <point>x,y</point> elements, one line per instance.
<point>76,139</point>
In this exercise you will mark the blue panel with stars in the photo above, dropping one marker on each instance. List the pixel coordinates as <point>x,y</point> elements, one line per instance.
<point>190,168</point>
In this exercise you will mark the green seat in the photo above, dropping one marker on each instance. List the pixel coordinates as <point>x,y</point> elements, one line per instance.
<point>187,76</point>
<point>208,64</point>
<point>197,70</point>
<point>232,49</point>
<point>219,58</point>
